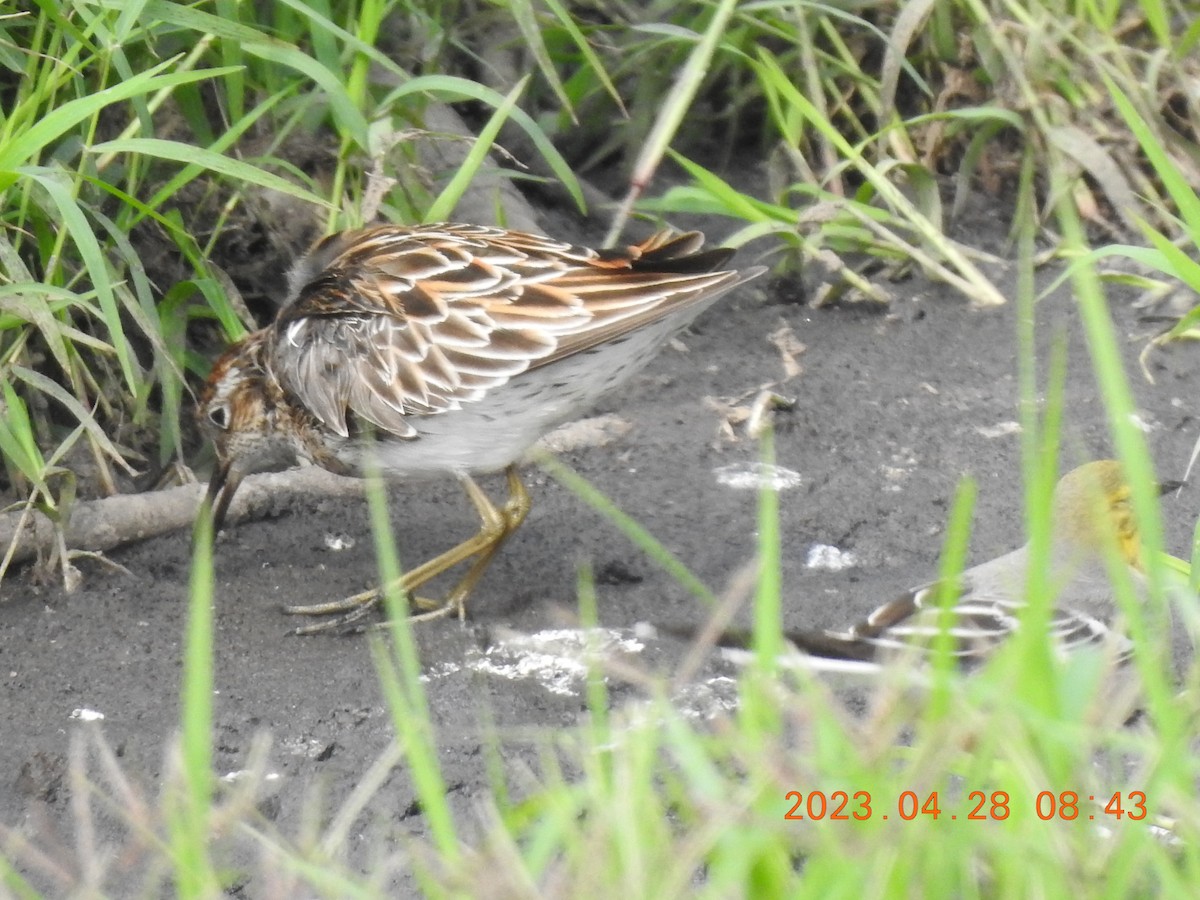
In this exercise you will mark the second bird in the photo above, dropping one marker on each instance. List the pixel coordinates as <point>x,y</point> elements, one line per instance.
<point>445,349</point>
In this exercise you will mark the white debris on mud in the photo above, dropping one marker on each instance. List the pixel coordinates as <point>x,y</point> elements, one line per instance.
<point>829,558</point>
<point>556,658</point>
<point>755,476</point>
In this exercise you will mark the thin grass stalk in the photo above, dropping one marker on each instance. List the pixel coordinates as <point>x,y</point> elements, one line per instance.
<point>1135,457</point>
<point>944,662</point>
<point>195,875</point>
<point>400,677</point>
<point>634,531</point>
<point>666,125</point>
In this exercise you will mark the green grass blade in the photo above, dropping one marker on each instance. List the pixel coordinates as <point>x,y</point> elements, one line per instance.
<point>345,110</point>
<point>636,533</point>
<point>441,208</point>
<point>83,236</point>
<point>584,46</point>
<point>1177,186</point>
<point>233,169</point>
<point>29,144</point>
<point>400,678</point>
<point>454,88</point>
<point>195,875</point>
<point>944,662</point>
<point>670,116</point>
<point>81,415</point>
<point>768,598</point>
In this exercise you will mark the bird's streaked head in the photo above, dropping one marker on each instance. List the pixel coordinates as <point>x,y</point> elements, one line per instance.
<point>238,412</point>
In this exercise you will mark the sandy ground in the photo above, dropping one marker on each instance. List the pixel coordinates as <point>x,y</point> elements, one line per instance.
<point>891,409</point>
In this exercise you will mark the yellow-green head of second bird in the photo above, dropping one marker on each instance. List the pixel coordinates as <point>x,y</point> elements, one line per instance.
<point>1092,512</point>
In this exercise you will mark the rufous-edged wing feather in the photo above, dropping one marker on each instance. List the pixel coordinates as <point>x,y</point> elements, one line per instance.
<point>403,321</point>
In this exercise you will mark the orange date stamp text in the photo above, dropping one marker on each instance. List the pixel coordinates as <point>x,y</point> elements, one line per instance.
<point>980,806</point>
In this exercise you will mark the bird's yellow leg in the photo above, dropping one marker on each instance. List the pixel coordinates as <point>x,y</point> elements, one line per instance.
<point>516,508</point>
<point>495,526</point>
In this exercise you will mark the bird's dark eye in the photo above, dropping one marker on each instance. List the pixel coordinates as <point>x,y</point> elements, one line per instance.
<point>219,415</point>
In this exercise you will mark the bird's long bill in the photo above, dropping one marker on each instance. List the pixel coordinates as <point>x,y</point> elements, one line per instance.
<point>221,488</point>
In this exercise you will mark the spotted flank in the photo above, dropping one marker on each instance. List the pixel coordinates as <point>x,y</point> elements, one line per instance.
<point>977,628</point>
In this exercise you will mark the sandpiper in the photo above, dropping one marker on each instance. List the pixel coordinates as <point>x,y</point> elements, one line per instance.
<point>445,349</point>
<point>1094,545</point>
